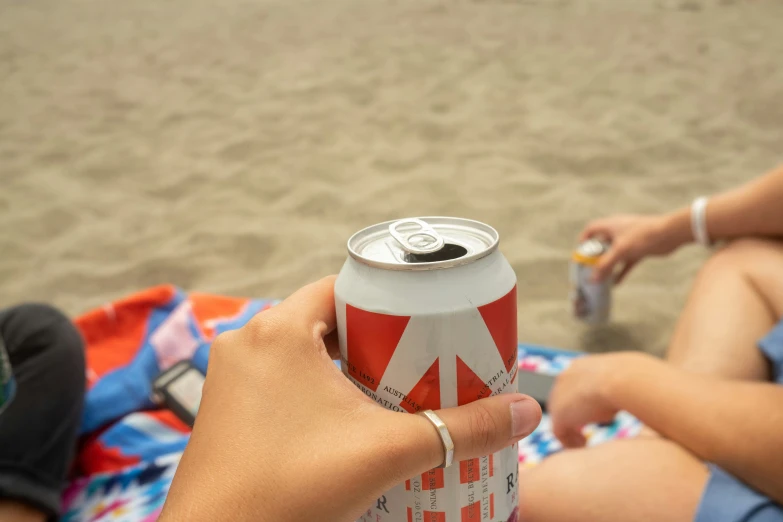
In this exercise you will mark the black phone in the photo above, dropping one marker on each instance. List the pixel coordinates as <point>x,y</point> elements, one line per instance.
<point>179,389</point>
<point>537,385</point>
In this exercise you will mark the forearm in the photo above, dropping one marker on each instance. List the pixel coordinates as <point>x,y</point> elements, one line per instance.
<point>752,209</point>
<point>736,425</point>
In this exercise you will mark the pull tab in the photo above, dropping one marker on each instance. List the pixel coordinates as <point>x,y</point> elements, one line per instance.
<point>421,238</point>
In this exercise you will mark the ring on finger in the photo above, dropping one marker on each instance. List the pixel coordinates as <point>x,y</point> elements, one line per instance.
<point>445,437</point>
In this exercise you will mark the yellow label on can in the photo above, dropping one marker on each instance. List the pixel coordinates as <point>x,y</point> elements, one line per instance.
<point>582,259</point>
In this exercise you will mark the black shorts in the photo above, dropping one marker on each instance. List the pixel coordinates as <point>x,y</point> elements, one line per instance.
<point>38,429</point>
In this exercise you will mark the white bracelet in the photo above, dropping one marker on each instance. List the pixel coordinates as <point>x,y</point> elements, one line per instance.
<point>699,221</point>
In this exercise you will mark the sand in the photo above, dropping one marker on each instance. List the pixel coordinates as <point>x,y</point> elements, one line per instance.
<point>233,146</point>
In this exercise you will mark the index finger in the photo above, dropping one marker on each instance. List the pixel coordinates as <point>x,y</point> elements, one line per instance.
<point>313,304</point>
<point>569,438</point>
<point>592,229</point>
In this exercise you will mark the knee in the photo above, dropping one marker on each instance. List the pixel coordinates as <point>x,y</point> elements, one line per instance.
<point>41,327</point>
<point>40,313</point>
<point>539,486</point>
<point>66,338</point>
<point>741,255</point>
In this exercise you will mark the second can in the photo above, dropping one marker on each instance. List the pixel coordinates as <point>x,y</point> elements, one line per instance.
<point>591,301</point>
<point>426,316</point>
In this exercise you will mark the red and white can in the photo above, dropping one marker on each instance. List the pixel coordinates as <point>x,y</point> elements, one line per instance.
<point>426,316</point>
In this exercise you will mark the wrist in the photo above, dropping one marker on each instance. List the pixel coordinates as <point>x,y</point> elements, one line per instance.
<point>631,374</point>
<point>676,226</point>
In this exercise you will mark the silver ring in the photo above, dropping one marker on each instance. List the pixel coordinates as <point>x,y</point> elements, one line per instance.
<point>445,437</point>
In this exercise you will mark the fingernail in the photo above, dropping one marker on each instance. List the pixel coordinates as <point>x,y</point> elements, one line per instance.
<point>525,416</point>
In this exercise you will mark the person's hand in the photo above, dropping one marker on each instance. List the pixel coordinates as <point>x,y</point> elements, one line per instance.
<point>632,238</point>
<point>282,435</point>
<point>585,393</point>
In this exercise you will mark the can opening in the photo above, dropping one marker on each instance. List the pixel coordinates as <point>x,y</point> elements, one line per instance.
<point>447,253</point>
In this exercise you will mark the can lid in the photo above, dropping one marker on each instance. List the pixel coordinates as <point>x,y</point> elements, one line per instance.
<point>588,252</point>
<point>427,243</point>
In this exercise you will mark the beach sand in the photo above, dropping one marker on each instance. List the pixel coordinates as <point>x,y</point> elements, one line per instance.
<point>234,146</point>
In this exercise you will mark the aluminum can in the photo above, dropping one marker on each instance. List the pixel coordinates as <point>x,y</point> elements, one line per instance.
<point>7,383</point>
<point>427,319</point>
<point>590,301</point>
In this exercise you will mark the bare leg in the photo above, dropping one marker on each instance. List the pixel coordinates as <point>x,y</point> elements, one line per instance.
<point>736,299</point>
<point>16,512</point>
<point>641,480</point>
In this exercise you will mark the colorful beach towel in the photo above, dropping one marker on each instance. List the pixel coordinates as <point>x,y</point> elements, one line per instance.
<point>131,449</point>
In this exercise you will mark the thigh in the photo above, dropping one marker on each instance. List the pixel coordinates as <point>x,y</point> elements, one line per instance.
<point>735,300</point>
<point>644,480</point>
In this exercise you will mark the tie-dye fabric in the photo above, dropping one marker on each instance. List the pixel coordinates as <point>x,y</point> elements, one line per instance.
<point>542,442</point>
<point>131,449</point>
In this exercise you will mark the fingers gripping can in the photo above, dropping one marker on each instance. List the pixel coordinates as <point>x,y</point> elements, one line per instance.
<point>426,316</point>
<point>590,301</point>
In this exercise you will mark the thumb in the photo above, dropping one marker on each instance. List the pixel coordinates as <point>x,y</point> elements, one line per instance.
<point>488,425</point>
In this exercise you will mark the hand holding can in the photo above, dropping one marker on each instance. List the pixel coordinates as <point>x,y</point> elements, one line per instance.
<point>632,238</point>
<point>288,437</point>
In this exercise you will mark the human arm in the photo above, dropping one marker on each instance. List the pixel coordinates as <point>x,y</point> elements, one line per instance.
<point>281,434</point>
<point>736,425</point>
<point>752,209</point>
